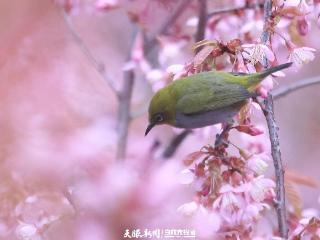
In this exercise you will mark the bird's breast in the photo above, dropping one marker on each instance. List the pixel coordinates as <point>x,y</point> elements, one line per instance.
<point>198,120</point>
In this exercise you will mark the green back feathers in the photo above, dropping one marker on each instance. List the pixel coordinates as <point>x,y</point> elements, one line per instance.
<point>206,92</point>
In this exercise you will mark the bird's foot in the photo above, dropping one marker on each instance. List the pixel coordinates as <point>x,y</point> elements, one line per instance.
<point>222,138</point>
<point>260,103</point>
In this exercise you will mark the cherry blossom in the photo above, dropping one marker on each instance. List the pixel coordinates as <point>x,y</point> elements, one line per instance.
<point>257,52</point>
<point>27,231</point>
<point>301,55</point>
<point>257,165</point>
<point>188,209</point>
<point>106,4</point>
<point>261,188</point>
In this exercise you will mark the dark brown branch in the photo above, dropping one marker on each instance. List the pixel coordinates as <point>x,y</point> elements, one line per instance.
<point>235,9</point>
<point>99,66</point>
<point>285,90</point>
<point>274,138</point>
<point>170,20</point>
<point>175,143</point>
<point>200,34</point>
<point>202,21</point>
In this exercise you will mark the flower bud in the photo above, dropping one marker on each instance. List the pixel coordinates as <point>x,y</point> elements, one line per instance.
<point>303,26</point>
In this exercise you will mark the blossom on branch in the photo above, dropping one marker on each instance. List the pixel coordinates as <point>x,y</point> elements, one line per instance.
<point>257,53</point>
<point>301,56</point>
<point>106,4</point>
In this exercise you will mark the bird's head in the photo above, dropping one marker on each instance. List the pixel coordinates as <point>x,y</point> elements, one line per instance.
<point>161,109</point>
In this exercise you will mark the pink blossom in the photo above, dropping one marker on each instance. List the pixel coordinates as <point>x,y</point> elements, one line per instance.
<point>230,204</point>
<point>303,26</point>
<point>304,232</point>
<point>177,70</point>
<point>106,4</point>
<point>228,198</point>
<point>257,52</point>
<point>257,165</point>
<point>266,85</point>
<point>186,176</point>
<point>192,22</point>
<point>170,49</point>
<point>206,222</point>
<point>252,25</point>
<point>301,4</point>
<point>67,4</point>
<point>154,75</point>
<point>252,212</point>
<point>261,188</point>
<point>302,55</point>
<point>27,231</point>
<point>249,129</point>
<point>188,209</point>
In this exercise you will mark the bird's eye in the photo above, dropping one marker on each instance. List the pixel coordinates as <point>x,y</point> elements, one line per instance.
<point>159,118</point>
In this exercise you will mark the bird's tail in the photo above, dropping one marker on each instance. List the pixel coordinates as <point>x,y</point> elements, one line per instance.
<point>255,79</point>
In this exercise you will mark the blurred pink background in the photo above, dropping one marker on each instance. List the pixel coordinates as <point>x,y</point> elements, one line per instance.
<point>58,130</point>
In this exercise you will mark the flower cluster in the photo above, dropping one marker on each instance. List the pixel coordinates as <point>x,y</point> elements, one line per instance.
<point>233,188</point>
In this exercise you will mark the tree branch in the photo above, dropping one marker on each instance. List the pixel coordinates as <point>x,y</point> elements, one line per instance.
<point>277,162</point>
<point>200,34</point>
<point>152,41</point>
<point>234,9</point>
<point>285,90</point>
<point>175,143</point>
<point>99,66</point>
<point>124,112</point>
<point>202,21</point>
<point>274,138</point>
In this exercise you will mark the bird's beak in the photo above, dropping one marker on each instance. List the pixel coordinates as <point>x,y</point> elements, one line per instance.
<point>150,126</point>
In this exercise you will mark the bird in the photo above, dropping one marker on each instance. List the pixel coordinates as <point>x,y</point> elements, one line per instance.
<point>205,98</point>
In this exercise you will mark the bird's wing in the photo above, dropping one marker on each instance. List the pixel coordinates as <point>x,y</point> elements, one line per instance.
<point>209,97</point>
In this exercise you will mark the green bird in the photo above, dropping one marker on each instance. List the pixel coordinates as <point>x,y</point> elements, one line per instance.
<point>205,98</point>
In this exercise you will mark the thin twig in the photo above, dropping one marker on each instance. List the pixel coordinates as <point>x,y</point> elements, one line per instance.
<point>202,22</point>
<point>200,34</point>
<point>171,19</point>
<point>285,90</point>
<point>99,66</point>
<point>274,138</point>
<point>124,101</point>
<point>175,143</point>
<point>124,112</point>
<point>279,172</point>
<point>234,9</point>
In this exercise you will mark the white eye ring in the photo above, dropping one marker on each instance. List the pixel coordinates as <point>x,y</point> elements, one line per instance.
<point>159,118</point>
